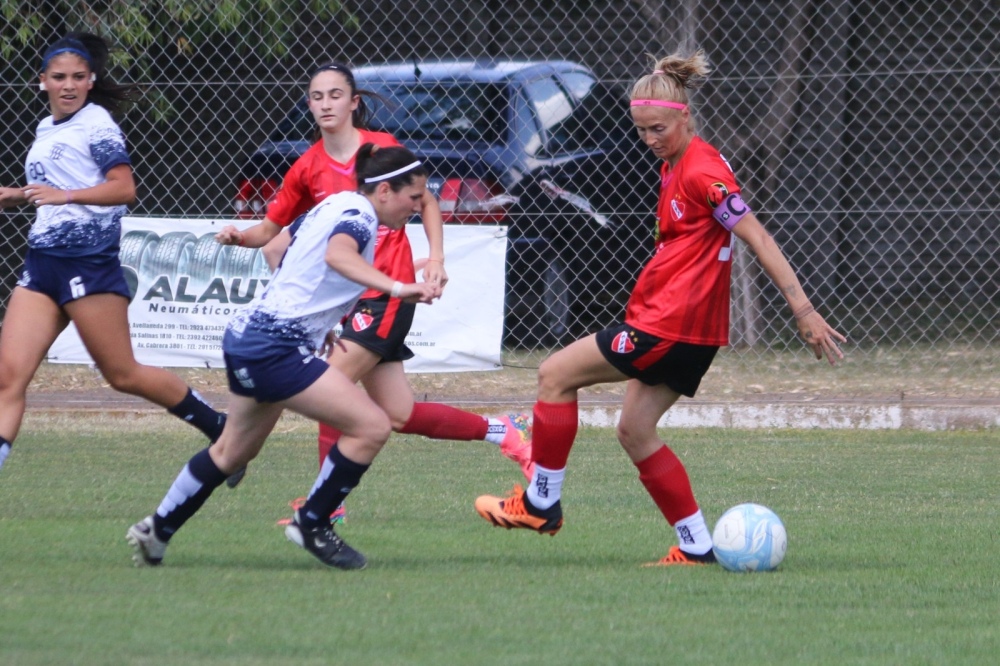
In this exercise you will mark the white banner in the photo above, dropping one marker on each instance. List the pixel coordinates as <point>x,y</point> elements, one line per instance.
<point>187,287</point>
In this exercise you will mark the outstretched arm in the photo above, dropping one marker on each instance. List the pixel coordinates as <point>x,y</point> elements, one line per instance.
<point>434,271</point>
<point>256,236</point>
<point>812,327</point>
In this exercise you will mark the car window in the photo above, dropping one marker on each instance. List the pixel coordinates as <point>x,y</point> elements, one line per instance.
<point>596,116</point>
<point>552,107</point>
<point>578,84</point>
<point>474,112</point>
<point>529,133</point>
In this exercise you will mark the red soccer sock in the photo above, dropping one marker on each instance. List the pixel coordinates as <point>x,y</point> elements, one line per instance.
<point>553,432</point>
<point>667,482</point>
<point>437,421</point>
<point>328,436</point>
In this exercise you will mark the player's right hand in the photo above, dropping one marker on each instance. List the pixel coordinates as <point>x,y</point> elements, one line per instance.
<point>229,235</point>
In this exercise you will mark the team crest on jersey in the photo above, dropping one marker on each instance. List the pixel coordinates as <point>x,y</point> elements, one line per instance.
<point>677,209</point>
<point>361,320</point>
<point>717,193</point>
<point>622,343</point>
<point>57,151</point>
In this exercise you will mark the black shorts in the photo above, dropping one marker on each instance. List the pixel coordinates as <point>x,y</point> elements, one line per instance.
<point>381,325</point>
<point>653,360</point>
<point>65,279</point>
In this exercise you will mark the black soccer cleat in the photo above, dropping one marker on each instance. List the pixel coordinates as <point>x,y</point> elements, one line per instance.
<point>325,545</point>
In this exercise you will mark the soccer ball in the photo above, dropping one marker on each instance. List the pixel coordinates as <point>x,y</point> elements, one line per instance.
<point>749,537</point>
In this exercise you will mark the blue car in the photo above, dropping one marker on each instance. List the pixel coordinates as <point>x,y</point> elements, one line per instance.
<point>542,147</point>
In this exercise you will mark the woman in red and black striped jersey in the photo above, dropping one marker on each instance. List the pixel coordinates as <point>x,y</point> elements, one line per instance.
<point>676,319</point>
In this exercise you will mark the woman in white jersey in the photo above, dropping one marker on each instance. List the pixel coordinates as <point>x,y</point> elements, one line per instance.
<point>270,352</point>
<point>79,179</point>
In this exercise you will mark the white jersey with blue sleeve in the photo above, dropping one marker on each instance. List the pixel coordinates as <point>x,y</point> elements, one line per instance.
<point>306,298</point>
<point>73,153</point>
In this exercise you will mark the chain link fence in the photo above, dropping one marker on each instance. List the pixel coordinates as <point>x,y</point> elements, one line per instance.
<point>864,134</point>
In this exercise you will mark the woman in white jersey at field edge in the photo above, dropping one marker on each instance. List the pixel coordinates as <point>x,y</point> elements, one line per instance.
<point>271,363</point>
<point>79,179</point>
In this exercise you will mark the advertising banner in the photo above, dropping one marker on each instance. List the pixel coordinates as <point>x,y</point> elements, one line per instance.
<point>187,287</point>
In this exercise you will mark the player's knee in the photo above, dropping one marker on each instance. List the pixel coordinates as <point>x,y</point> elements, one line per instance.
<point>13,380</point>
<point>376,430</point>
<point>124,379</point>
<point>550,384</point>
<point>629,436</point>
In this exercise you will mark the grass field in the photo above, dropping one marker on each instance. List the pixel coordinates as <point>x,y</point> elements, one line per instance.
<point>892,555</point>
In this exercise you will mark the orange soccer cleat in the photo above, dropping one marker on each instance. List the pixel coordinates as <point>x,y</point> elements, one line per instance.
<point>515,511</point>
<point>677,557</point>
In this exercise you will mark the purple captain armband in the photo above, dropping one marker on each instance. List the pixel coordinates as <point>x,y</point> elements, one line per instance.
<point>730,211</point>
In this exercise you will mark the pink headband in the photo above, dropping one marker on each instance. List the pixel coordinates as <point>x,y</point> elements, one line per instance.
<point>658,102</point>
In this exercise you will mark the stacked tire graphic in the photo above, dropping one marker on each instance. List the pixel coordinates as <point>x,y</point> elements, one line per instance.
<point>182,253</point>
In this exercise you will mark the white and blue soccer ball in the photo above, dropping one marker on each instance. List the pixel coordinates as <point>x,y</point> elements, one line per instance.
<point>749,537</point>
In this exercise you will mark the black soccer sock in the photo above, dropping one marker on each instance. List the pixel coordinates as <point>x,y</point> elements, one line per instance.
<point>338,477</point>
<point>5,448</point>
<point>189,491</point>
<point>200,414</point>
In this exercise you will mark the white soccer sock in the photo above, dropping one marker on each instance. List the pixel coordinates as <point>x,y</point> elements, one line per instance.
<point>692,532</point>
<point>546,486</point>
<point>496,430</point>
<point>4,452</point>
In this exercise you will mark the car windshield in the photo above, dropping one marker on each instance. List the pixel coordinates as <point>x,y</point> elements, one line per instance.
<point>474,112</point>
<point>467,111</point>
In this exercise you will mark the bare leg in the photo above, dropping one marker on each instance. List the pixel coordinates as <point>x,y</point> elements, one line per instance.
<point>32,323</point>
<point>247,428</point>
<point>642,408</point>
<point>388,386</point>
<point>102,321</point>
<point>336,400</point>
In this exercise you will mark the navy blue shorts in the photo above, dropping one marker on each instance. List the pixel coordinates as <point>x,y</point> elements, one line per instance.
<point>381,325</point>
<point>286,372</point>
<point>65,279</point>
<point>653,360</point>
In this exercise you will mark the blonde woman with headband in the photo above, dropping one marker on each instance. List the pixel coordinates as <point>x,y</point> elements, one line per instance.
<point>271,365</point>
<point>676,319</point>
<point>79,181</point>
<point>372,347</point>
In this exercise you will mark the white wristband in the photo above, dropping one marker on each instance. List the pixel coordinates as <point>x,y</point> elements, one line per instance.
<point>397,289</point>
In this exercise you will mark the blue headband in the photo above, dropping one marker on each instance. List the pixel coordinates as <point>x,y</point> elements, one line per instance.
<point>74,48</point>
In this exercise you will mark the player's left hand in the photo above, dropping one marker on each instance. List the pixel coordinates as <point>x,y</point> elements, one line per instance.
<point>821,337</point>
<point>330,342</point>
<point>434,272</point>
<point>38,194</point>
<point>420,292</point>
